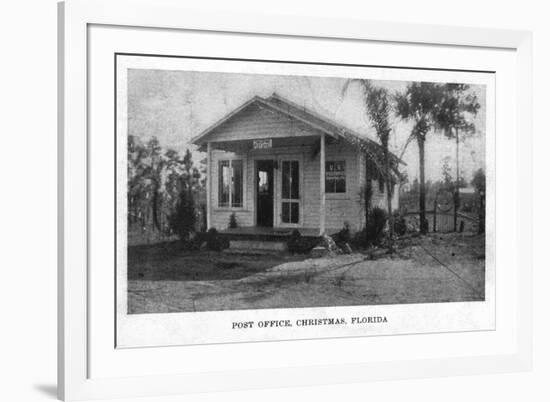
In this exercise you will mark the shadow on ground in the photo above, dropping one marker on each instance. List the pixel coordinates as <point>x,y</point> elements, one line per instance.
<point>49,390</point>
<point>169,262</point>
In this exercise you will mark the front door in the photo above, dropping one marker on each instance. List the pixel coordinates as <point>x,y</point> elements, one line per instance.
<point>264,193</point>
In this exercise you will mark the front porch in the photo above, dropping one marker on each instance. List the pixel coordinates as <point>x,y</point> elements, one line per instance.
<point>258,239</point>
<point>266,233</point>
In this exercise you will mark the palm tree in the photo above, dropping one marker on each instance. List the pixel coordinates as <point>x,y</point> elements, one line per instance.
<point>379,107</point>
<point>452,118</point>
<point>420,103</point>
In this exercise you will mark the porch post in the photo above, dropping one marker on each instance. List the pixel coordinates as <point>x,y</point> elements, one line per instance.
<point>208,185</point>
<point>322,186</point>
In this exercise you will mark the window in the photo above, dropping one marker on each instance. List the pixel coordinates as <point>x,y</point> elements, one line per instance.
<point>230,183</point>
<point>290,192</point>
<point>335,177</point>
<point>381,185</point>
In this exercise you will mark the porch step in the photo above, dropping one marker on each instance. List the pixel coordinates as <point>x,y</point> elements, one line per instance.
<point>243,246</point>
<point>250,252</point>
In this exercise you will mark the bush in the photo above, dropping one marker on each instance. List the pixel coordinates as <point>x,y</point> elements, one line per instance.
<point>214,241</point>
<point>195,241</point>
<point>294,241</point>
<point>375,225</point>
<point>343,236</point>
<point>373,232</point>
<point>359,239</point>
<point>233,221</point>
<point>399,224</point>
<point>182,220</point>
<point>297,244</point>
<point>202,222</point>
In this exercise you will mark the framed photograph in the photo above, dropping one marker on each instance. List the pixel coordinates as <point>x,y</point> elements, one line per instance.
<point>259,201</point>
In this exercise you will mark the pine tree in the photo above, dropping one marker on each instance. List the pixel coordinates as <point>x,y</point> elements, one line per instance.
<point>183,219</point>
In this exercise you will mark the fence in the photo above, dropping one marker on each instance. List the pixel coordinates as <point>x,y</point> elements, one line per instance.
<point>444,221</point>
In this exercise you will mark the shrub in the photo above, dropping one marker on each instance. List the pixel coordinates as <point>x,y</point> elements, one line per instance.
<point>182,220</point>
<point>202,222</point>
<point>297,244</point>
<point>399,224</point>
<point>195,241</point>
<point>376,224</point>
<point>359,239</point>
<point>233,221</point>
<point>343,236</point>
<point>214,241</point>
<point>293,241</point>
<point>373,232</point>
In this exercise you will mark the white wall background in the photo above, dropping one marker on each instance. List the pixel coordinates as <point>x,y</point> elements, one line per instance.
<point>28,198</point>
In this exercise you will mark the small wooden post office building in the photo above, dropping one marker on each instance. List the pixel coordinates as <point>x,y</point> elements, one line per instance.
<point>277,165</point>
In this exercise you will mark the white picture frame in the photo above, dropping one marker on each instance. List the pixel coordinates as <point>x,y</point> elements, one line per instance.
<point>75,381</point>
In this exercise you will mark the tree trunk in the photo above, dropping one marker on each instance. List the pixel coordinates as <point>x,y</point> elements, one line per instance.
<point>481,224</point>
<point>367,207</point>
<point>456,192</point>
<point>155,208</point>
<point>367,191</point>
<point>422,199</point>
<point>389,193</point>
<point>434,227</point>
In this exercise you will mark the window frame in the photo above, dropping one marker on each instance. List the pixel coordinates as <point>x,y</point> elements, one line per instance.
<point>229,205</point>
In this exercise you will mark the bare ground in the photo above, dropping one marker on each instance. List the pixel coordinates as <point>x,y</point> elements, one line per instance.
<point>430,269</point>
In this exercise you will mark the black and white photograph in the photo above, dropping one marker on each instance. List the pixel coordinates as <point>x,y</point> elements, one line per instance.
<point>244,191</point>
<point>268,201</point>
<point>264,191</point>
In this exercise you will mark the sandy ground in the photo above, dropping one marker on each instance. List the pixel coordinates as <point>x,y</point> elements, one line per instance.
<point>435,268</point>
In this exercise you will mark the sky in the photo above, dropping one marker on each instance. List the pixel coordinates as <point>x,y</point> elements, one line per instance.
<point>175,106</point>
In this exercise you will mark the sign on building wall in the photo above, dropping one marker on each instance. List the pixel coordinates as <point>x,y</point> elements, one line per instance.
<point>335,170</point>
<point>335,177</point>
<point>262,144</point>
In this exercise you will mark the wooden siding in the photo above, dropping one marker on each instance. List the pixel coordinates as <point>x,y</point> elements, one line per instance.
<point>340,207</point>
<point>257,123</point>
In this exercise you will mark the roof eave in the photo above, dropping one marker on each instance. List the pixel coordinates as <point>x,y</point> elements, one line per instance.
<point>339,133</point>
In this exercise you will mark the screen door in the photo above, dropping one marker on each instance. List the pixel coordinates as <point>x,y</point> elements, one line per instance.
<point>290,192</point>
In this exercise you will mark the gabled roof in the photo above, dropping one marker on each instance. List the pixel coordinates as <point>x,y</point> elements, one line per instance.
<point>309,117</point>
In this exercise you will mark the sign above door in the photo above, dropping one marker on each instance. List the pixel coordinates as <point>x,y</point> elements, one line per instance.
<point>262,144</point>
